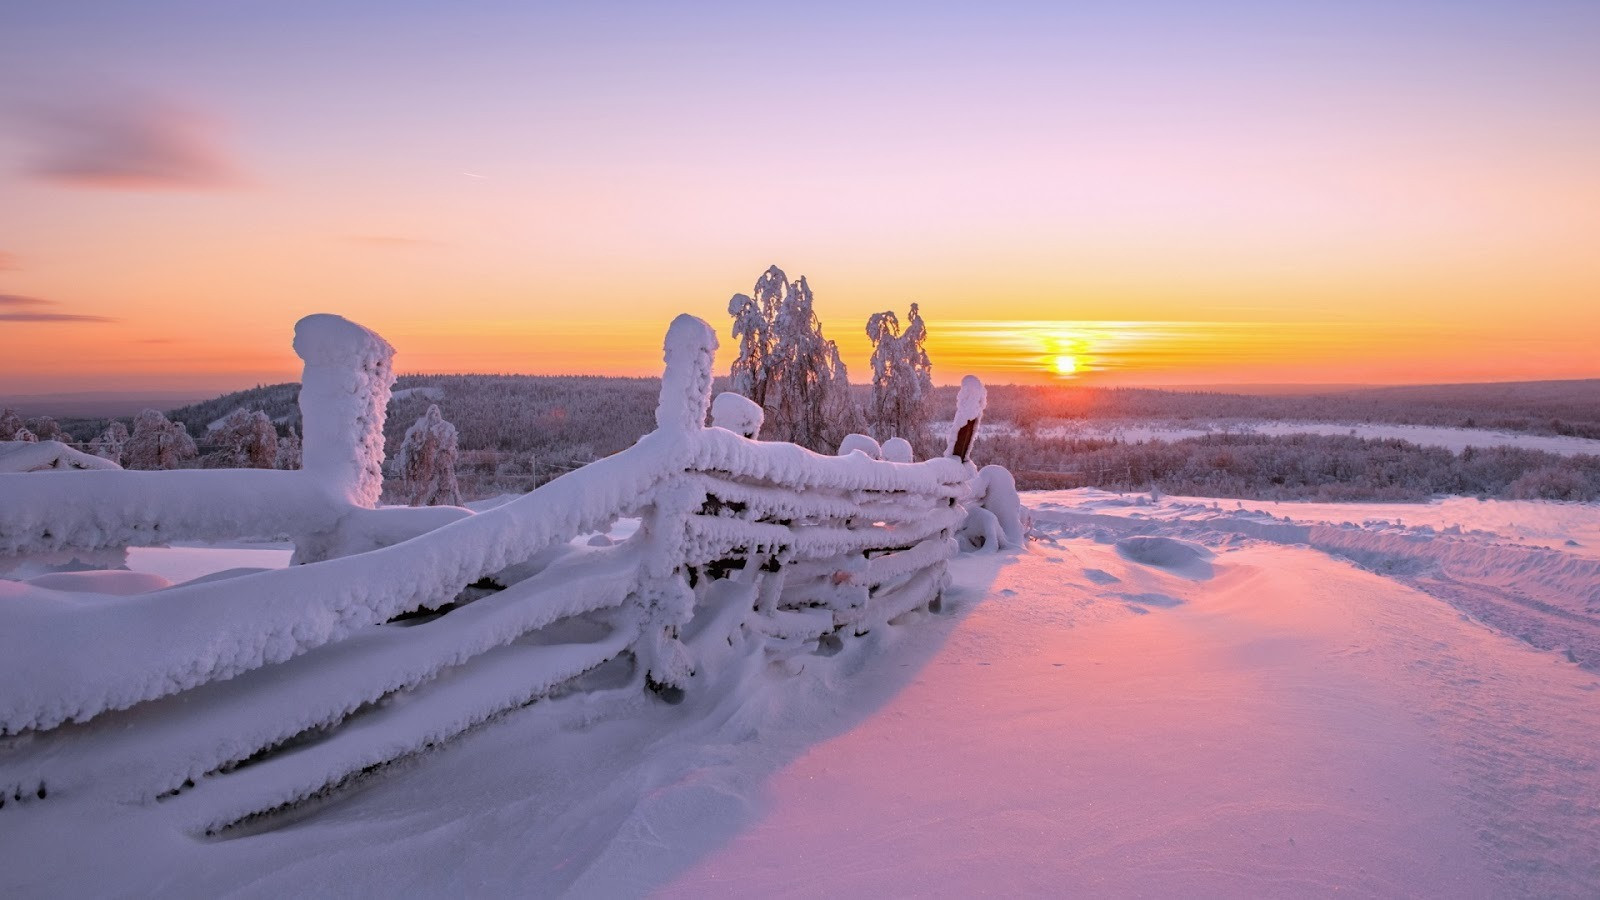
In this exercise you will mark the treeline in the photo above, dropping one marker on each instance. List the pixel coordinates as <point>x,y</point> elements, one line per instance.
<point>1293,467</point>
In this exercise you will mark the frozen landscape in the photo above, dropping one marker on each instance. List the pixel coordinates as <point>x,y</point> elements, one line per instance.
<point>1151,697</point>
<point>711,665</point>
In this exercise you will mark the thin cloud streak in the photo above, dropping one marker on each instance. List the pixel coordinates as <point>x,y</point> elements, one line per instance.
<point>51,317</point>
<point>27,310</point>
<point>127,144</point>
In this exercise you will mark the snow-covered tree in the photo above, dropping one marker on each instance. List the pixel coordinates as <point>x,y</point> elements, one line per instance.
<point>46,428</point>
<point>902,376</point>
<point>157,443</point>
<point>112,443</point>
<point>787,366</point>
<point>289,450</point>
<point>247,440</point>
<point>427,461</point>
<point>753,319</point>
<point>10,424</point>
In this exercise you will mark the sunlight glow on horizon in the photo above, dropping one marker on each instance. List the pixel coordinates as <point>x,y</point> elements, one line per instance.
<point>1368,193</point>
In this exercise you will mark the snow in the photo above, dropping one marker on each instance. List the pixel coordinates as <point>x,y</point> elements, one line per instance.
<point>860,443</point>
<point>738,414</point>
<point>1453,439</point>
<point>1080,720</point>
<point>709,665</point>
<point>344,396</point>
<point>898,450</point>
<point>47,456</point>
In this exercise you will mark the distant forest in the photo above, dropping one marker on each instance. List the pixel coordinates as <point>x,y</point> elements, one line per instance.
<point>517,431</point>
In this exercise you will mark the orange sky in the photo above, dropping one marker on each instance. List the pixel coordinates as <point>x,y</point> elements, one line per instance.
<point>1379,193</point>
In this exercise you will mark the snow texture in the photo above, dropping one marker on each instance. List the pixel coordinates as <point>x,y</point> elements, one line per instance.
<point>47,456</point>
<point>190,680</point>
<point>344,395</point>
<point>737,413</point>
<point>897,449</point>
<point>853,443</point>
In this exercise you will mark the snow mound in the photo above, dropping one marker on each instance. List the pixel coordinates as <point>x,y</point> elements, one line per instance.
<point>854,442</point>
<point>46,456</point>
<point>1180,557</point>
<point>897,450</point>
<point>737,413</point>
<point>109,581</point>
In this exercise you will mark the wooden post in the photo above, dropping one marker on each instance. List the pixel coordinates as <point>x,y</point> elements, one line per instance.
<point>970,402</point>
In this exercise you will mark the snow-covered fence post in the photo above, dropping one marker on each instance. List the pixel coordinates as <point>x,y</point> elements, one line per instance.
<point>665,598</point>
<point>970,401</point>
<point>344,395</point>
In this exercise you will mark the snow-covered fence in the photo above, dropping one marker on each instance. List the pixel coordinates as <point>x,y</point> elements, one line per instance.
<point>236,696</point>
<point>345,392</point>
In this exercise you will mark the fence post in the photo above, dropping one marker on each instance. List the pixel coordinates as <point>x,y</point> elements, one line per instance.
<point>666,598</point>
<point>689,350</point>
<point>344,397</point>
<point>970,401</point>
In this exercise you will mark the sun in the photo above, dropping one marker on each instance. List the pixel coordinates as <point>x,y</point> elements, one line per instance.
<point>1065,365</point>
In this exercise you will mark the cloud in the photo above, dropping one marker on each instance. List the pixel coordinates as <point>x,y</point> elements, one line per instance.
<point>126,143</point>
<point>14,308</point>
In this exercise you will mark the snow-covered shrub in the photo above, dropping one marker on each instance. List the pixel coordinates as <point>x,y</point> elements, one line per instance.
<point>157,443</point>
<point>289,450</point>
<point>738,414</point>
<point>861,442</point>
<point>10,424</point>
<point>996,492</point>
<point>46,428</point>
<point>112,442</point>
<point>427,461</point>
<point>246,440</point>
<point>902,376</point>
<point>1551,483</point>
<point>786,365</point>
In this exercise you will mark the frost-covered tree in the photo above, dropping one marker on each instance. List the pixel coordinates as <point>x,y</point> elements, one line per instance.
<point>10,424</point>
<point>157,443</point>
<point>753,319</point>
<point>112,443</point>
<point>247,440</point>
<point>902,376</point>
<point>289,450</point>
<point>46,428</point>
<point>787,366</point>
<point>427,461</point>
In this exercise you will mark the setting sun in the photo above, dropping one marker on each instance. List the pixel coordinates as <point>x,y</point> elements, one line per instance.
<point>1065,365</point>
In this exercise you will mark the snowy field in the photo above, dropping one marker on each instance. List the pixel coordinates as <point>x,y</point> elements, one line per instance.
<point>1156,697</point>
<point>1453,439</point>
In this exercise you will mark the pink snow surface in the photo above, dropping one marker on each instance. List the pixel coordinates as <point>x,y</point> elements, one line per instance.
<point>1287,726</point>
<point>1152,698</point>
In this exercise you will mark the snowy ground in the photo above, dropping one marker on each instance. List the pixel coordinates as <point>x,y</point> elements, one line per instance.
<point>1173,697</point>
<point>1453,439</point>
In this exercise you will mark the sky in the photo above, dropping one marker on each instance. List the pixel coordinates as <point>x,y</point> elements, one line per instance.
<point>1121,193</point>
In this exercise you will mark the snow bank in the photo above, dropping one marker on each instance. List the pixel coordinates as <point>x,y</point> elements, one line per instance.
<point>47,456</point>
